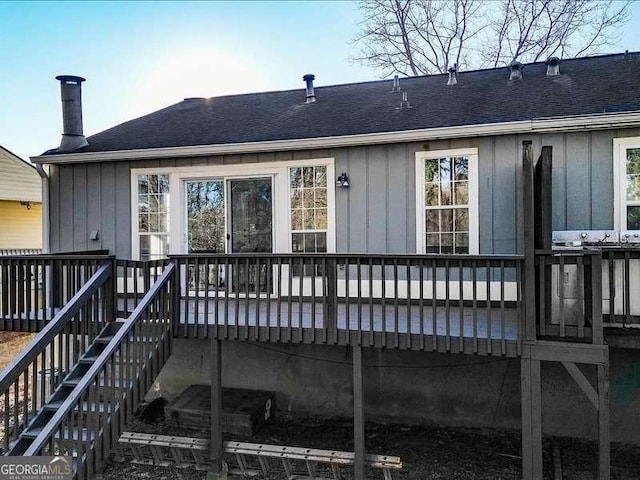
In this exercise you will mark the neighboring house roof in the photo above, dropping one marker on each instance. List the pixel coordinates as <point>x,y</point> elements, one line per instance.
<point>19,180</point>
<point>586,86</point>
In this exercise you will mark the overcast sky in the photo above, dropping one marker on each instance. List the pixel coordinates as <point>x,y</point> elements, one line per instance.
<point>141,56</point>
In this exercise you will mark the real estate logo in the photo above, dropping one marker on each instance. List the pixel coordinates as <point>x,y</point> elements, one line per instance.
<point>36,468</point>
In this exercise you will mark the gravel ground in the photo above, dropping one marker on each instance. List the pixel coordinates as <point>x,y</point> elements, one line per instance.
<point>428,453</point>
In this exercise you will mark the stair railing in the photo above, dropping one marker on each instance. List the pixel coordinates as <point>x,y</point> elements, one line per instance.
<point>33,288</point>
<point>28,382</point>
<point>89,422</point>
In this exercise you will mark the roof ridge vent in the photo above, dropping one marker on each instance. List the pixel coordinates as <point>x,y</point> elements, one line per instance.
<point>311,94</point>
<point>396,84</point>
<point>453,75</point>
<point>553,66</point>
<point>515,68</point>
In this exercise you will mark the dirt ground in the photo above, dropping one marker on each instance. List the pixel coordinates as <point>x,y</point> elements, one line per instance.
<point>427,453</point>
<point>11,344</point>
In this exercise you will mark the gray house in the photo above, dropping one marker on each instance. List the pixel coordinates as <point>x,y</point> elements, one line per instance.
<point>395,218</point>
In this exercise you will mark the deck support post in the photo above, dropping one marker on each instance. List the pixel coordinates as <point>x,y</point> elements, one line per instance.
<point>358,415</point>
<point>531,420</point>
<point>217,448</point>
<point>604,453</point>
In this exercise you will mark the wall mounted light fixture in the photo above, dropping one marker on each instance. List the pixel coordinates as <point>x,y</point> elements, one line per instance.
<point>26,204</point>
<point>342,181</point>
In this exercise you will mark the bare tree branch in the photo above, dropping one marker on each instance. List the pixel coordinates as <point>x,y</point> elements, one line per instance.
<point>428,36</point>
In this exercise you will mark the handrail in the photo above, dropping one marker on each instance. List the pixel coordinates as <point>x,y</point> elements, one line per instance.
<point>90,376</point>
<point>383,256</point>
<point>55,256</point>
<point>13,371</point>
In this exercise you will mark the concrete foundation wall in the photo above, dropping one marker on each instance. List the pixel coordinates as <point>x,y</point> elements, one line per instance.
<point>411,387</point>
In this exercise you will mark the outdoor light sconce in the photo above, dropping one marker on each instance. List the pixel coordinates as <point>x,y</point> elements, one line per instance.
<point>26,204</point>
<point>342,181</point>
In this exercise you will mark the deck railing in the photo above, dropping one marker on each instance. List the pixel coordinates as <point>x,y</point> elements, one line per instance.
<point>461,303</point>
<point>620,286</point>
<point>33,288</point>
<point>28,382</point>
<point>133,278</point>
<point>569,294</point>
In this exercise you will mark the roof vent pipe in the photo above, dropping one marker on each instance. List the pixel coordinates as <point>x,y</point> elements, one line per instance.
<point>72,135</point>
<point>553,66</point>
<point>396,84</point>
<point>516,70</point>
<point>405,102</point>
<point>311,95</point>
<point>453,75</point>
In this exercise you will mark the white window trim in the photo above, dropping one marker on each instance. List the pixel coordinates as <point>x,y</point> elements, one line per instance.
<point>620,146</point>
<point>281,201</point>
<point>474,222</point>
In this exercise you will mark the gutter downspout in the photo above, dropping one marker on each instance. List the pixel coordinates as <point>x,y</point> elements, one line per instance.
<point>45,207</point>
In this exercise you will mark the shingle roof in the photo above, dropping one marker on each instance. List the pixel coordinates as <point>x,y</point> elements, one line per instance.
<point>609,83</point>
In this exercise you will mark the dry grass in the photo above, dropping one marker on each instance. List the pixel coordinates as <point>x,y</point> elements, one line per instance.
<point>11,344</point>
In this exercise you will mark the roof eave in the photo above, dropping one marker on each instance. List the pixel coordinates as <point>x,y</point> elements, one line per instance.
<point>599,121</point>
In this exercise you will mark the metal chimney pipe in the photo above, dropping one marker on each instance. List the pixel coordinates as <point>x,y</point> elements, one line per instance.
<point>311,95</point>
<point>71,91</point>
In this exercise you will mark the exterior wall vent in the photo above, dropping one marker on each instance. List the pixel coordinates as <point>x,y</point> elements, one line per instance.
<point>516,70</point>
<point>553,66</point>
<point>311,94</point>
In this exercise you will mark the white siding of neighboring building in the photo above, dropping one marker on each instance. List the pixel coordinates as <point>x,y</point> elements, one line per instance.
<point>18,180</point>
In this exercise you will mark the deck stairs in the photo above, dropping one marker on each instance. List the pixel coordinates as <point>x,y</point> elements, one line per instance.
<point>84,413</point>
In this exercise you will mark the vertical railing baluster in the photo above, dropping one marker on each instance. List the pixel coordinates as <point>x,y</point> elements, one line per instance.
<point>269,298</point>
<point>279,301</point>
<point>434,305</point>
<point>503,341</point>
<point>584,297</point>
<point>461,305</point>
<point>301,260</point>
<point>290,264</point>
<point>488,300</point>
<point>627,287</point>
<point>596,305</point>
<point>409,342</point>
<point>447,303</point>
<point>359,302</point>
<point>383,274</point>
<point>474,300</point>
<point>561,280</point>
<point>421,267</point>
<point>247,297</point>
<point>396,299</point>
<point>371,302</point>
<point>256,334</point>
<point>314,271</point>
<point>612,286</point>
<point>347,300</point>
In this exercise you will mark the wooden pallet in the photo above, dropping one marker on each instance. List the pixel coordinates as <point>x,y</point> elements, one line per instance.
<point>244,412</point>
<point>251,459</point>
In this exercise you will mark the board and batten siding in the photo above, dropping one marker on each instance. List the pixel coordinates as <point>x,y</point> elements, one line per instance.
<point>377,213</point>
